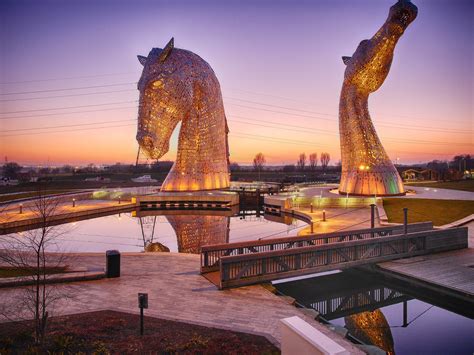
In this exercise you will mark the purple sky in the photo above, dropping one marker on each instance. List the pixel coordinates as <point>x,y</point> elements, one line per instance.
<point>266,53</point>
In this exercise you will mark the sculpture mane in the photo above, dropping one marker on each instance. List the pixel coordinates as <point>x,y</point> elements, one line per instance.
<point>177,85</point>
<point>366,167</point>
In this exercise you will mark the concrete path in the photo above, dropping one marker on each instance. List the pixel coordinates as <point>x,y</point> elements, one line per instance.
<point>421,192</point>
<point>440,194</point>
<point>178,292</point>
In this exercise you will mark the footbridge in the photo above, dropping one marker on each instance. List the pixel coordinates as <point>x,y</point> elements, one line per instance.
<point>245,263</point>
<point>342,294</point>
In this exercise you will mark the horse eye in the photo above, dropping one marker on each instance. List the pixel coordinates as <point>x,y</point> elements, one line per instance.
<point>157,84</point>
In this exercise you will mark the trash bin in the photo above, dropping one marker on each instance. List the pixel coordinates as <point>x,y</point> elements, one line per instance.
<point>112,268</point>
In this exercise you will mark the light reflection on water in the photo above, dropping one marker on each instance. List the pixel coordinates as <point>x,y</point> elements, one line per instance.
<point>183,233</point>
<point>373,311</point>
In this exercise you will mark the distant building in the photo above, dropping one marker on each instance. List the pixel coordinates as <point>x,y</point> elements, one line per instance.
<point>98,179</point>
<point>420,175</point>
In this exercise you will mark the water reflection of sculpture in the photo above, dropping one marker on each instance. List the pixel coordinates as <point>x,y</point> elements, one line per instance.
<point>372,328</point>
<point>366,167</point>
<point>192,231</point>
<point>177,85</point>
<point>195,231</point>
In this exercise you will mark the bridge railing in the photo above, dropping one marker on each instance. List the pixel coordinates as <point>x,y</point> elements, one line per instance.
<point>239,270</point>
<point>211,254</point>
<point>358,301</point>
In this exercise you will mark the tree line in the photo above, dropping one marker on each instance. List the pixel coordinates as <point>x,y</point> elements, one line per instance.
<point>302,164</point>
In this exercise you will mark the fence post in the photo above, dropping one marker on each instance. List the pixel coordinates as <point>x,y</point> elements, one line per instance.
<point>372,215</point>
<point>206,258</point>
<point>405,220</point>
<point>405,314</point>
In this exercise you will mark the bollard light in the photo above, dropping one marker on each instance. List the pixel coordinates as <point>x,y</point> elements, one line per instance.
<point>120,200</point>
<point>324,215</point>
<point>21,208</point>
<point>142,303</point>
<point>311,208</point>
<point>405,220</point>
<point>73,202</point>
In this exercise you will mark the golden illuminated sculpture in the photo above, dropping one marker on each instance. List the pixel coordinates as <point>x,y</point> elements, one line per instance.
<point>366,167</point>
<point>194,231</point>
<point>178,86</point>
<point>372,328</point>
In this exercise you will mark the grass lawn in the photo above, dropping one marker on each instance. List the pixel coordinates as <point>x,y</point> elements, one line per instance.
<point>419,210</point>
<point>15,272</point>
<point>465,185</point>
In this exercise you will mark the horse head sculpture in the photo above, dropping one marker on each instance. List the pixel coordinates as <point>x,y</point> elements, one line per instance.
<point>366,167</point>
<point>178,86</point>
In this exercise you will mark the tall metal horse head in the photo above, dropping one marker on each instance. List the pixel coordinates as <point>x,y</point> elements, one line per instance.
<point>366,167</point>
<point>177,85</point>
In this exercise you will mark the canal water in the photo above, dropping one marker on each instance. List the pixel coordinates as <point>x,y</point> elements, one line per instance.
<point>186,233</point>
<point>375,311</point>
<point>378,312</point>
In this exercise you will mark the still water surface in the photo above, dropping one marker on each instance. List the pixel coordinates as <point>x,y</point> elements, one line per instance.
<point>180,233</point>
<point>385,315</point>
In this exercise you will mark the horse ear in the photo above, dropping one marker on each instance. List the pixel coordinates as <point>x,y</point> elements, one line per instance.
<point>166,51</point>
<point>142,59</point>
<point>346,60</point>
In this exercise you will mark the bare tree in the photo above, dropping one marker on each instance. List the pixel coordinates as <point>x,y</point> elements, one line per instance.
<point>313,161</point>
<point>325,158</point>
<point>301,163</point>
<point>258,163</point>
<point>25,253</point>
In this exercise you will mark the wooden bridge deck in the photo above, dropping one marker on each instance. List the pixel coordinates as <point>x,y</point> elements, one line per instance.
<point>451,271</point>
<point>241,264</point>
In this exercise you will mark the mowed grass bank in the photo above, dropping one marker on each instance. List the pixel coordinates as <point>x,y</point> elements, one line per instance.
<point>420,210</point>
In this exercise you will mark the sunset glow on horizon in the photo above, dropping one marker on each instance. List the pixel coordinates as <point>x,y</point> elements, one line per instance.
<point>69,73</point>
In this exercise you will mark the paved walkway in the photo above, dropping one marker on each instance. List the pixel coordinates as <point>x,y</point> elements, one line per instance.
<point>12,212</point>
<point>337,219</point>
<point>421,192</point>
<point>177,291</point>
<point>440,194</point>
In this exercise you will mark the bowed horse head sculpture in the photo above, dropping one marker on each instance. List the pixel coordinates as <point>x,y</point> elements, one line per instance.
<point>179,86</point>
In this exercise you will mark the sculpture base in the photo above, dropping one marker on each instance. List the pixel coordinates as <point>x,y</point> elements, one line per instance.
<point>179,182</point>
<point>370,195</point>
<point>196,200</point>
<point>380,181</point>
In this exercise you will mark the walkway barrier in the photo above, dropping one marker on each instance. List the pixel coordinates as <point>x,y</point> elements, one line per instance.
<point>239,270</point>
<point>299,337</point>
<point>211,254</point>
